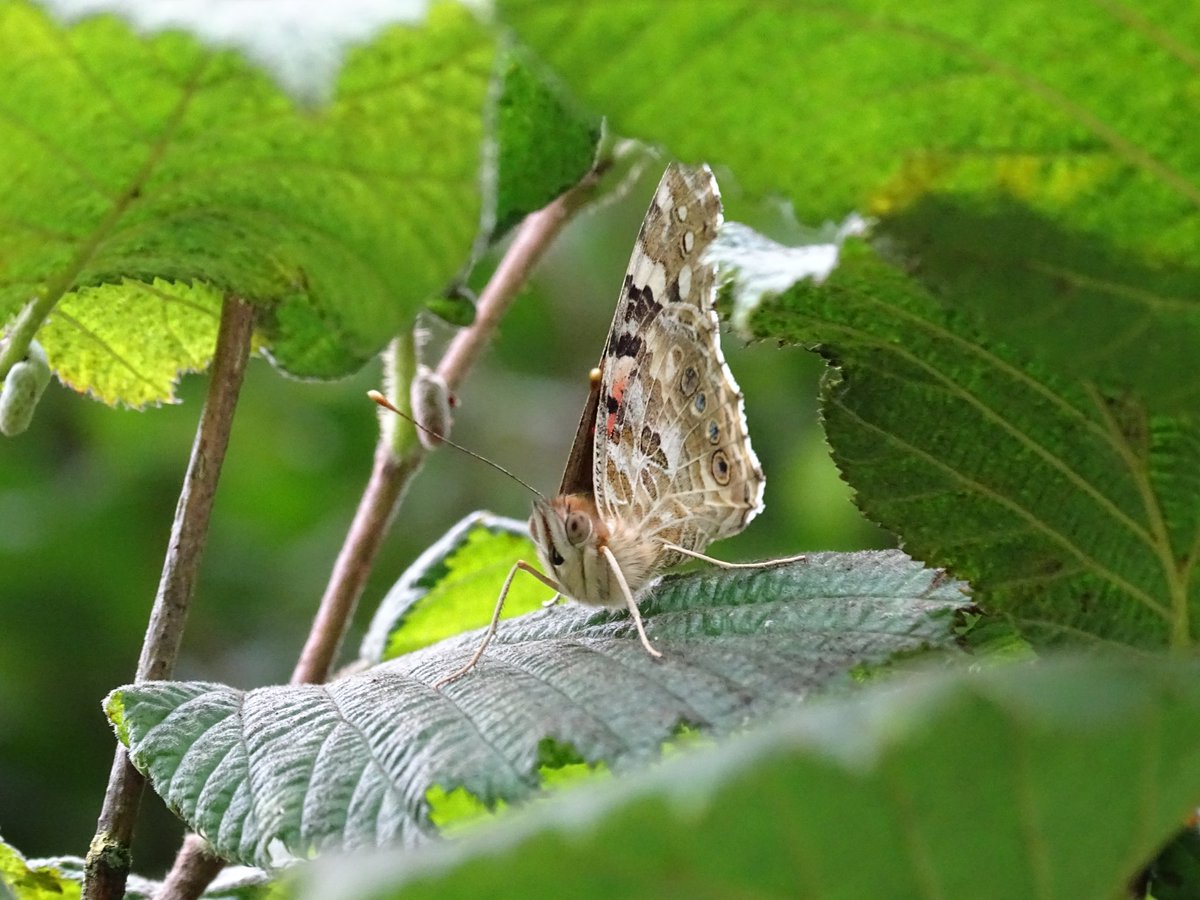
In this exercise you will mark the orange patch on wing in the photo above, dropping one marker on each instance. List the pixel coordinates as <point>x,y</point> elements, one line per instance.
<point>624,369</point>
<point>618,394</point>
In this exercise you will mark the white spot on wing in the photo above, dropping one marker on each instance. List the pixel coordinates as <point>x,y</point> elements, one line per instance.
<point>663,197</point>
<point>658,281</point>
<point>685,282</point>
<point>648,273</point>
<point>623,369</point>
<point>640,270</point>
<point>681,213</point>
<point>689,241</point>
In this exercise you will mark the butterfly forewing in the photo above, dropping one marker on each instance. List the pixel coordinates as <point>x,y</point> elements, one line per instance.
<point>670,450</point>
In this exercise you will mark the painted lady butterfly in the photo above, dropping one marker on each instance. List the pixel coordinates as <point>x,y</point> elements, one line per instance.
<point>662,464</point>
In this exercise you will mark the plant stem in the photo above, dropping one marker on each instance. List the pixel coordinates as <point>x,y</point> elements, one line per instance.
<point>196,865</point>
<point>108,859</point>
<point>399,370</point>
<point>17,340</point>
<point>396,461</point>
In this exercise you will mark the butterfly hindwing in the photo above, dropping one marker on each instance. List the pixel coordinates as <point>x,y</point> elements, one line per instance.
<point>670,448</point>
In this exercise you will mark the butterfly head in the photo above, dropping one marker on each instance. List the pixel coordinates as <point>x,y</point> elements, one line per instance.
<point>571,537</point>
<point>569,533</point>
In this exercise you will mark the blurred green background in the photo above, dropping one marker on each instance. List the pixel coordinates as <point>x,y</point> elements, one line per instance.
<point>87,495</point>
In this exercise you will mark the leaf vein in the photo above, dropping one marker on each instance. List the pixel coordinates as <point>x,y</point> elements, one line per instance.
<point>1061,539</point>
<point>955,389</point>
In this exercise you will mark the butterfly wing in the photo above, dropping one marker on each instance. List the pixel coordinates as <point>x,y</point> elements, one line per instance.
<point>577,476</point>
<point>670,448</point>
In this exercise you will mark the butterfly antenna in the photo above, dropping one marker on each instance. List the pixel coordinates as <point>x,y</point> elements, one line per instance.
<point>387,404</point>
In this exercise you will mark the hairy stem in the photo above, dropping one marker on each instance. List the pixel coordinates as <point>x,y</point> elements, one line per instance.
<point>108,859</point>
<point>396,461</point>
<point>399,370</point>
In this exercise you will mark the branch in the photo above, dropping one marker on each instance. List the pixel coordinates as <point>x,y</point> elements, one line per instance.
<point>196,865</point>
<point>24,328</point>
<point>108,859</point>
<point>390,476</point>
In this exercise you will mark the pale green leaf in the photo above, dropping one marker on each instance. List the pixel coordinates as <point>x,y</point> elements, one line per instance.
<point>61,877</point>
<point>129,342</point>
<point>454,586</point>
<point>32,879</point>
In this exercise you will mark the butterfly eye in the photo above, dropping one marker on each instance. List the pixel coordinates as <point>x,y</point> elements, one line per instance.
<point>579,528</point>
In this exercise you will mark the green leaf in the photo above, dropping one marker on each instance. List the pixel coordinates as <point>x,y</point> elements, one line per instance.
<point>114,708</point>
<point>1072,510</point>
<point>921,93</point>
<point>544,146</point>
<point>128,343</point>
<point>951,785</point>
<point>455,307</point>
<point>1175,872</point>
<point>32,880</point>
<point>453,586</point>
<point>128,159</point>
<point>292,770</point>
<point>1083,304</point>
<point>1048,184</point>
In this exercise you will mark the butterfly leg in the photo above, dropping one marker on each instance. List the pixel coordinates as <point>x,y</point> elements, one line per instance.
<point>546,604</point>
<point>764,564</point>
<point>629,602</point>
<point>519,565</point>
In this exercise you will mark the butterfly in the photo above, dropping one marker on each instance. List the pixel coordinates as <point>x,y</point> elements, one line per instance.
<point>662,464</point>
